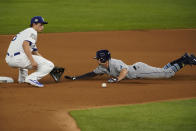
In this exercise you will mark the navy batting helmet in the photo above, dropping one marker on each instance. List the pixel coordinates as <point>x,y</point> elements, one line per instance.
<point>103,55</point>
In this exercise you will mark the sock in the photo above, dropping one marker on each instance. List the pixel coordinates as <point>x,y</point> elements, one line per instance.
<point>175,67</point>
<point>167,66</point>
<point>178,62</point>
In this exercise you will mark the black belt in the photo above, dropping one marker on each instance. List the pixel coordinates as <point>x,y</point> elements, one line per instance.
<point>17,53</point>
<point>134,68</point>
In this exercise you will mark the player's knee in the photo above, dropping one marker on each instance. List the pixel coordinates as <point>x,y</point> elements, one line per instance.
<point>46,66</point>
<point>50,65</point>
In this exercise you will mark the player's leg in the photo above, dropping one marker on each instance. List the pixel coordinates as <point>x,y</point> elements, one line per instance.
<point>21,61</point>
<point>11,61</point>
<point>23,73</point>
<point>179,63</point>
<point>44,67</point>
<point>143,70</point>
<point>18,61</point>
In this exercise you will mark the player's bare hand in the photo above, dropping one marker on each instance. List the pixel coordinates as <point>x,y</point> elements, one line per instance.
<point>34,65</point>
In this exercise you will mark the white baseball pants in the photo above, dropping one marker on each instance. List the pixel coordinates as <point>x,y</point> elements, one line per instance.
<point>22,62</point>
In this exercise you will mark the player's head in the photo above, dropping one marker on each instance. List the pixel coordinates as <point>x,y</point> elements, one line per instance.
<point>103,56</point>
<point>37,23</point>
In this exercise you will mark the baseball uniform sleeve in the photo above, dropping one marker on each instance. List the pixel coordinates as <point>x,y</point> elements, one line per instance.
<point>31,37</point>
<point>99,70</point>
<point>86,75</point>
<point>34,48</point>
<point>120,65</point>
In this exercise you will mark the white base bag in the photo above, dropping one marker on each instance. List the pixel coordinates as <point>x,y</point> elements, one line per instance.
<point>4,79</point>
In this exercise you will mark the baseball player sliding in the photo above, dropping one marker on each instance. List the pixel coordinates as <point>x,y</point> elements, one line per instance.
<point>23,54</point>
<point>119,70</point>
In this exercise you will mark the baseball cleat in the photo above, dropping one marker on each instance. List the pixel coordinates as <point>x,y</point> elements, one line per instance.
<point>193,59</point>
<point>189,59</point>
<point>34,83</point>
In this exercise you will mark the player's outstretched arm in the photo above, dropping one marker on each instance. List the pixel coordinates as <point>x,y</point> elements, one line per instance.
<point>86,75</point>
<point>121,76</point>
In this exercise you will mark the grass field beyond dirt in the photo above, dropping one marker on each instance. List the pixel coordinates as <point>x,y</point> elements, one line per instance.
<point>163,116</point>
<point>94,15</point>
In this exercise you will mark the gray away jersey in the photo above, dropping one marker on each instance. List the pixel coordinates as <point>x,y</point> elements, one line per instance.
<point>115,67</point>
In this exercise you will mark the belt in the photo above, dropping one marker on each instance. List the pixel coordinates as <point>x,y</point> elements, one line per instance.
<point>15,54</point>
<point>134,67</point>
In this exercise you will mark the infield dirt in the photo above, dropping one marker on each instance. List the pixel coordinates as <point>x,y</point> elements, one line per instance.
<point>23,107</point>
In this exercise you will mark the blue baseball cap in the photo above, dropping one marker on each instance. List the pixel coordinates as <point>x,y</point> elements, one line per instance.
<point>38,19</point>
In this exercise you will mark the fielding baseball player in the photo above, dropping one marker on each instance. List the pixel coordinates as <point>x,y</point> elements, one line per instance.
<point>23,54</point>
<point>119,70</point>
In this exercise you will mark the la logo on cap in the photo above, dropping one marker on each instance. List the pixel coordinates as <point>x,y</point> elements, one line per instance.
<point>36,20</point>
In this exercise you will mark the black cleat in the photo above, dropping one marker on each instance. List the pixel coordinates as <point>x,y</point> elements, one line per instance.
<point>189,59</point>
<point>192,59</point>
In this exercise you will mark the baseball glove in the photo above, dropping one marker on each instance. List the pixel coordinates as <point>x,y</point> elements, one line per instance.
<point>56,73</point>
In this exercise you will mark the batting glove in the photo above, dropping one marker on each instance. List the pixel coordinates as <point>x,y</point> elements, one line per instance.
<point>113,80</point>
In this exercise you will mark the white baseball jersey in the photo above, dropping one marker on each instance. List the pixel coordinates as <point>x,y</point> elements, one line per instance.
<point>137,70</point>
<point>29,35</point>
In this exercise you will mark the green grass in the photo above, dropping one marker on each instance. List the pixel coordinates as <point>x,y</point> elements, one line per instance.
<point>162,116</point>
<point>96,15</point>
